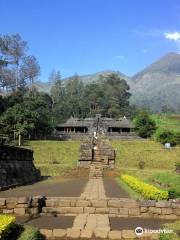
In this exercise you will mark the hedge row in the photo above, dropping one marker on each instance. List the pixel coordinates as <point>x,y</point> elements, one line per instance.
<point>6,224</point>
<point>146,190</point>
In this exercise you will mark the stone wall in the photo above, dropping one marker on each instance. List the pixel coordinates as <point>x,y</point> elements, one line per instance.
<point>22,206</point>
<point>114,207</point>
<point>16,167</point>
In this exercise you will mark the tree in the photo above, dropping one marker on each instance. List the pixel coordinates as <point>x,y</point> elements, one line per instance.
<point>13,48</point>
<point>144,125</point>
<point>30,69</point>
<point>167,136</point>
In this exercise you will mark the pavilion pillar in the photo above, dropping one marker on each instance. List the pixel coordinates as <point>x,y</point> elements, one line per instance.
<point>74,129</point>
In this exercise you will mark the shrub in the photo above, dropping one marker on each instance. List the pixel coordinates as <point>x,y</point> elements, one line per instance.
<point>6,224</point>
<point>144,125</point>
<point>173,193</point>
<point>167,136</point>
<point>146,190</point>
<point>177,166</point>
<point>30,233</point>
<point>141,164</point>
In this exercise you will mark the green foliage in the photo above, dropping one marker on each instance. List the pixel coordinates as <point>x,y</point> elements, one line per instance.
<point>167,136</point>
<point>146,190</point>
<point>30,233</point>
<point>144,125</point>
<point>108,96</point>
<point>30,118</point>
<point>168,236</point>
<point>6,224</point>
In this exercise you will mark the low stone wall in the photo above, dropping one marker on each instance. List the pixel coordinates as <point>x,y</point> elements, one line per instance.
<point>113,207</point>
<point>75,233</point>
<point>22,206</point>
<point>16,167</point>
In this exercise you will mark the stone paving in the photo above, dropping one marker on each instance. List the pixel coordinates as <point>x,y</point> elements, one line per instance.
<point>94,189</point>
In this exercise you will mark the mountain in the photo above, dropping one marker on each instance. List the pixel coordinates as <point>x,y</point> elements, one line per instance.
<point>46,87</point>
<point>154,87</point>
<point>158,84</point>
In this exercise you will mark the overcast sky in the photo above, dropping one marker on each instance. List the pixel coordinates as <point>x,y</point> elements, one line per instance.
<point>86,36</point>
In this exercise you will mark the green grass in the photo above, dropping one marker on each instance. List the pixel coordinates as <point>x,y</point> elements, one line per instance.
<point>167,121</point>
<point>55,158</point>
<point>129,153</point>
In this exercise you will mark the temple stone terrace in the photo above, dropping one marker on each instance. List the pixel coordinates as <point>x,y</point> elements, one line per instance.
<point>75,128</point>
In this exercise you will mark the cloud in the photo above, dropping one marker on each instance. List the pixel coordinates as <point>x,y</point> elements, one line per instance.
<point>174,36</point>
<point>120,56</point>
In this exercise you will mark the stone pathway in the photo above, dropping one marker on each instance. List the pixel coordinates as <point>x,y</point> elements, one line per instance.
<point>93,223</point>
<point>94,190</point>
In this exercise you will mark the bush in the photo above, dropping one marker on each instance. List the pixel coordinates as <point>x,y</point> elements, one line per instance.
<point>177,166</point>
<point>6,224</point>
<point>167,136</point>
<point>173,193</point>
<point>144,125</point>
<point>30,233</point>
<point>146,190</point>
<point>141,164</point>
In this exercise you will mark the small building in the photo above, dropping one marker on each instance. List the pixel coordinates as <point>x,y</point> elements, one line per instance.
<point>75,128</point>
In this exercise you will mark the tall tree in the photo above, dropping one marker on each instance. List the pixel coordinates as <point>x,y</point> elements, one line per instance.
<point>13,48</point>
<point>30,69</point>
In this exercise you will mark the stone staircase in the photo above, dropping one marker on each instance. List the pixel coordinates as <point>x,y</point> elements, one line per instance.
<point>96,170</point>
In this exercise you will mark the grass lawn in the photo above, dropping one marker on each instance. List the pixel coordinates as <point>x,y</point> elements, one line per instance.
<point>159,163</point>
<point>129,153</point>
<point>167,121</point>
<point>55,158</point>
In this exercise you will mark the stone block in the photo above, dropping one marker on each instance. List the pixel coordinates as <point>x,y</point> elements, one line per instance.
<point>11,202</point>
<point>155,210</point>
<point>2,202</point>
<point>73,233</point>
<point>8,211</point>
<point>48,233</point>
<point>115,203</point>
<point>82,203</point>
<point>169,217</point>
<point>167,211</point>
<point>19,211</point>
<point>64,203</point>
<point>148,203</point>
<point>123,211</point>
<point>102,210</point>
<point>128,234</point>
<point>163,204</point>
<point>76,210</point>
<point>146,215</point>
<point>22,205</point>
<point>100,234</point>
<point>22,200</point>
<point>113,210</point>
<point>134,211</point>
<point>99,203</point>
<point>86,234</point>
<point>51,203</point>
<point>143,209</point>
<point>89,210</point>
<point>175,205</point>
<point>176,211</point>
<point>114,235</point>
<point>59,233</point>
